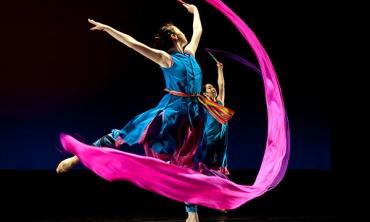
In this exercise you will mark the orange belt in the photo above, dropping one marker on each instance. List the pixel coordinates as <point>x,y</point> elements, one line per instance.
<point>221,113</point>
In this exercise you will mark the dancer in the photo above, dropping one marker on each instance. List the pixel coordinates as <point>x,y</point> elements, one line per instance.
<point>216,132</point>
<point>158,126</point>
<point>173,130</point>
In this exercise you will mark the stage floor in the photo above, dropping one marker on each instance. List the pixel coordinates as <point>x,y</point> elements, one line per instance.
<point>213,219</point>
<point>81,196</point>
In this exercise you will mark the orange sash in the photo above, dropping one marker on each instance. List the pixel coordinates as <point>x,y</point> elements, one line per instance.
<point>221,113</point>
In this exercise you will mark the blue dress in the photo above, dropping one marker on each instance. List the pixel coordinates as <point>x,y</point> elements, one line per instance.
<point>174,129</point>
<point>217,134</point>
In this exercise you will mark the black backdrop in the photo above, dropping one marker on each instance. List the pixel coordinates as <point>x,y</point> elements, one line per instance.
<point>57,76</point>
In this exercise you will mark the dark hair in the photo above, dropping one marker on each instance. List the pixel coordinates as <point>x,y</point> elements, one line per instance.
<point>162,40</point>
<point>204,88</point>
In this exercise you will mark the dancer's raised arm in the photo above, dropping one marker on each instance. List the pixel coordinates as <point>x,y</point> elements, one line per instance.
<point>221,83</point>
<point>197,28</point>
<point>160,57</point>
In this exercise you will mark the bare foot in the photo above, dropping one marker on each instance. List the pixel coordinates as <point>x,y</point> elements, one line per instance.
<point>67,164</point>
<point>192,217</point>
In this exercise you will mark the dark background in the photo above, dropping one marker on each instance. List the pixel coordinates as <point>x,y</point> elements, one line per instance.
<point>57,76</point>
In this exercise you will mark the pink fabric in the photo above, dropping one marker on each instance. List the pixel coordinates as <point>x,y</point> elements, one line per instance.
<point>275,159</point>
<point>175,182</point>
<point>186,185</point>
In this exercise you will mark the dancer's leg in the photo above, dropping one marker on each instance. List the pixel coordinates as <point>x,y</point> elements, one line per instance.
<point>192,212</point>
<point>67,164</point>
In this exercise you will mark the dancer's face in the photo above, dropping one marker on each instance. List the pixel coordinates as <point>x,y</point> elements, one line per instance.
<point>179,36</point>
<point>210,92</point>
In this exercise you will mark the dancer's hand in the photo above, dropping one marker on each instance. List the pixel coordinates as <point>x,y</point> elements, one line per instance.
<point>220,66</point>
<point>191,8</point>
<point>98,26</point>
